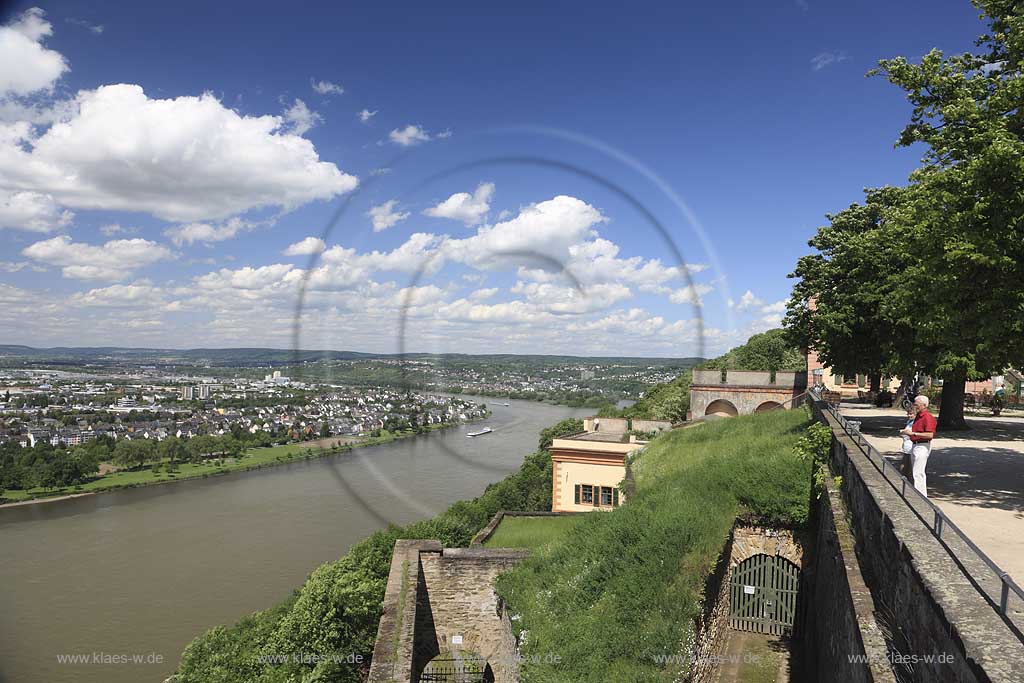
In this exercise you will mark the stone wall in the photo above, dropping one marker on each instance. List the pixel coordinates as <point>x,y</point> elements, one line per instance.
<point>650,425</point>
<point>745,399</point>
<point>835,610</point>
<point>615,425</point>
<point>713,621</point>
<point>748,377</point>
<point>931,607</point>
<point>707,377</point>
<point>396,633</point>
<point>463,607</point>
<point>750,540</point>
<point>443,600</point>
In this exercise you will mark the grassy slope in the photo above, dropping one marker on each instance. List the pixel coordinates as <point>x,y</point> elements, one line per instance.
<point>530,532</point>
<point>622,588</point>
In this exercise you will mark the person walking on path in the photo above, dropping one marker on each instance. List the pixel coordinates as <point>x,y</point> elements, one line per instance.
<point>921,434</point>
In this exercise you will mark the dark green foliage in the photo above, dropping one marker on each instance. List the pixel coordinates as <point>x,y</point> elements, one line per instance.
<point>569,425</point>
<point>46,466</point>
<point>768,351</point>
<point>617,593</point>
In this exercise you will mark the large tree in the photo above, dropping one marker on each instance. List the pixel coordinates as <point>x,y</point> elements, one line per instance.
<point>962,217</point>
<point>840,305</point>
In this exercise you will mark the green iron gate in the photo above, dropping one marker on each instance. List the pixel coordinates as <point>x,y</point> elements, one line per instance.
<point>762,595</point>
<point>457,667</point>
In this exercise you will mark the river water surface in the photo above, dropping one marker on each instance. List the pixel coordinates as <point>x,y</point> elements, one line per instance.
<point>139,573</point>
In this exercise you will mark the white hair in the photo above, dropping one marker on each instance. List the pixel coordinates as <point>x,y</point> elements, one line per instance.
<point>922,399</point>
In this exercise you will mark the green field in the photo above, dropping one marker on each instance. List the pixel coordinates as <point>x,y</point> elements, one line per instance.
<point>531,532</point>
<point>254,458</point>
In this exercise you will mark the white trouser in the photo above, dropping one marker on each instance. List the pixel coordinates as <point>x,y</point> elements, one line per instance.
<point>919,457</point>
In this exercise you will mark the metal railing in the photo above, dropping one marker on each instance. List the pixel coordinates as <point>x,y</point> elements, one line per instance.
<point>995,587</point>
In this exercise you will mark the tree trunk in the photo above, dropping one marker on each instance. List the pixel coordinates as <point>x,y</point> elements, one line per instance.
<point>951,413</point>
<point>876,382</point>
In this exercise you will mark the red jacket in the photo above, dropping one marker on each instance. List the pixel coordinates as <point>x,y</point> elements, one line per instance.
<point>924,422</point>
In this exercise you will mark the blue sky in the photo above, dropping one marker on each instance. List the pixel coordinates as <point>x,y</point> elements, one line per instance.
<point>170,175</point>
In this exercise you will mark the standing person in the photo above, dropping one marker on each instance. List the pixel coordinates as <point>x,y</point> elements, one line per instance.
<point>906,466</point>
<point>921,433</point>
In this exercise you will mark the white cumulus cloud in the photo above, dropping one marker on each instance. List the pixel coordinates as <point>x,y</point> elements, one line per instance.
<point>299,118</point>
<point>310,245</point>
<point>137,294</point>
<point>365,115</point>
<point>748,301</point>
<point>463,206</point>
<point>115,260</point>
<point>207,233</point>
<point>383,216</point>
<point>182,159</point>
<point>25,65</point>
<point>31,211</point>
<point>409,136</point>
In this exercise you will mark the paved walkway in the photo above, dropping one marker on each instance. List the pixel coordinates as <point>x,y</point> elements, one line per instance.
<point>754,658</point>
<point>976,477</point>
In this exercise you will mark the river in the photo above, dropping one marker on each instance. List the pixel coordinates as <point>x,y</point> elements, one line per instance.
<point>139,573</point>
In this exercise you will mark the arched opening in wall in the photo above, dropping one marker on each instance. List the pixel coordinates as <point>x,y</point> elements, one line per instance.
<point>721,408</point>
<point>762,595</point>
<point>457,666</point>
<point>768,405</point>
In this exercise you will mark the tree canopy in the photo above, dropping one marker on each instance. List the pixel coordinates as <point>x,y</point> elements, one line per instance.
<point>929,276</point>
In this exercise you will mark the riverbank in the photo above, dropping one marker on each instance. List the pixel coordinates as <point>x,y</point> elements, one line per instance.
<point>187,558</point>
<point>253,459</point>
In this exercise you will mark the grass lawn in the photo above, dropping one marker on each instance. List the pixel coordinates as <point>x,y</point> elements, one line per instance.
<point>254,458</point>
<point>531,532</point>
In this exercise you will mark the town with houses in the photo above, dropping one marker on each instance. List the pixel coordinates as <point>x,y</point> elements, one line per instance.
<point>65,410</point>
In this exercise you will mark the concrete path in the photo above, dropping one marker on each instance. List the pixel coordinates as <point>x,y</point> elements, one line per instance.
<point>976,477</point>
<point>754,658</point>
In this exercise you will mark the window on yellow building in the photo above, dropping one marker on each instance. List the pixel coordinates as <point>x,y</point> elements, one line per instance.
<point>586,494</point>
<point>598,496</point>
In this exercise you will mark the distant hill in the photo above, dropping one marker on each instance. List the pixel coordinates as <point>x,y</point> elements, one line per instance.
<point>217,356</point>
<point>268,356</point>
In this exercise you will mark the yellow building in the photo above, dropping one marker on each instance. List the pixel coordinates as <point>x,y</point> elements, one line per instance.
<point>587,469</point>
